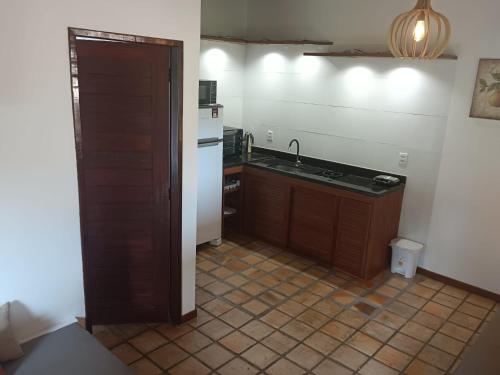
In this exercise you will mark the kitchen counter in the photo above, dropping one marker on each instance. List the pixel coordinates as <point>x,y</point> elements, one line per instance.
<point>235,161</point>
<point>340,176</point>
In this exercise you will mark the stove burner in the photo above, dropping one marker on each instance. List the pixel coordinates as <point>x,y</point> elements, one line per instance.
<point>331,174</point>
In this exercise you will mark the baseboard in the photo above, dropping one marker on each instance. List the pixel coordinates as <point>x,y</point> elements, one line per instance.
<point>189,316</point>
<point>459,284</point>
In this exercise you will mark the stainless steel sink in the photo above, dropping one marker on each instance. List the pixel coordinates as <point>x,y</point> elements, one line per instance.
<point>293,168</point>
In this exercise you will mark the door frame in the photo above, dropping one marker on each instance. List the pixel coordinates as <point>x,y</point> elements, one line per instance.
<point>176,126</point>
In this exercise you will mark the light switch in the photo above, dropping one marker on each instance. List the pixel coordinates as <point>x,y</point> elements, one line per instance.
<point>270,136</point>
<point>403,159</point>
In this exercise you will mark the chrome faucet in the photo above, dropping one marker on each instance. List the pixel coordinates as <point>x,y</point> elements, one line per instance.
<point>297,161</point>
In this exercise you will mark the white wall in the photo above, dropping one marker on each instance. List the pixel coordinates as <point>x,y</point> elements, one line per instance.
<point>464,241</point>
<point>224,17</point>
<point>463,238</point>
<point>362,112</point>
<point>40,253</point>
<point>348,23</point>
<point>225,63</point>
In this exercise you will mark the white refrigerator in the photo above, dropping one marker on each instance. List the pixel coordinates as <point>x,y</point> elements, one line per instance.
<point>210,175</point>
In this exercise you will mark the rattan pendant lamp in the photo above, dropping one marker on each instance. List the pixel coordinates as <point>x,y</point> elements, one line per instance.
<point>421,33</point>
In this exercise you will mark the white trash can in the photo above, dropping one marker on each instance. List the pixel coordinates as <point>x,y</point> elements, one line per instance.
<point>405,254</point>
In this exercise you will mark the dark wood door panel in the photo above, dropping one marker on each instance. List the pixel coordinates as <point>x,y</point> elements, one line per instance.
<point>116,142</point>
<point>118,85</point>
<point>124,288</point>
<point>122,244</point>
<point>126,258</point>
<point>124,171</point>
<point>352,235</point>
<point>266,205</point>
<point>118,177</point>
<point>313,216</point>
<point>123,104</point>
<point>352,238</point>
<point>103,62</point>
<point>118,160</point>
<point>117,228</point>
<point>119,123</point>
<point>116,194</point>
<point>350,264</point>
<point>125,212</point>
<point>131,312</point>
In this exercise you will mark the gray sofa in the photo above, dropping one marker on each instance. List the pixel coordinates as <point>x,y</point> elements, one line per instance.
<point>68,351</point>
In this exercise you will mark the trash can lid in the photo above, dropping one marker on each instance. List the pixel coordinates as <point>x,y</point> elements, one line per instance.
<point>403,243</point>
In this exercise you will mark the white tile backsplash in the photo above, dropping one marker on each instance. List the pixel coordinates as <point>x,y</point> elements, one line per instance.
<point>225,63</point>
<point>359,111</point>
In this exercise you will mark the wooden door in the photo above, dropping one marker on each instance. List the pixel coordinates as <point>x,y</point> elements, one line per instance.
<point>313,220</point>
<point>124,179</point>
<point>266,207</point>
<point>352,235</point>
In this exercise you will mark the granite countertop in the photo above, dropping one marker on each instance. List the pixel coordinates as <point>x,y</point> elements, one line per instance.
<point>351,178</point>
<point>235,161</point>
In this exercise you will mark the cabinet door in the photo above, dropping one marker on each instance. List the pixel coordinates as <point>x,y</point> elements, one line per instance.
<point>266,207</point>
<point>313,216</point>
<point>352,235</point>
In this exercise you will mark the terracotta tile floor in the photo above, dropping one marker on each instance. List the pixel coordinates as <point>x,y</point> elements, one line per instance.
<point>263,310</point>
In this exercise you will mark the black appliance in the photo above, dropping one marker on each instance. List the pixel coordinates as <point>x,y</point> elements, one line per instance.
<point>332,175</point>
<point>386,180</point>
<point>207,93</point>
<point>233,141</point>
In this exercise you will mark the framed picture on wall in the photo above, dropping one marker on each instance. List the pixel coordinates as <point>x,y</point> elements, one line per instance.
<point>486,98</point>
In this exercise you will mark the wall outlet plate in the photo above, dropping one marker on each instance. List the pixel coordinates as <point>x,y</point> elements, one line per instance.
<point>270,136</point>
<point>403,159</point>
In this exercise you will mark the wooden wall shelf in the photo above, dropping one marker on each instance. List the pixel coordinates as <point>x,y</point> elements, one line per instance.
<point>367,54</point>
<point>265,41</point>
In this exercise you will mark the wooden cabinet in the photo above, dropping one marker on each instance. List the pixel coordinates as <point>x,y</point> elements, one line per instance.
<point>266,207</point>
<point>313,217</point>
<point>347,230</point>
<point>352,235</point>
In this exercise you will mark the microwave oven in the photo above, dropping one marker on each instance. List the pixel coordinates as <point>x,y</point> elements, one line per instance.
<point>207,93</point>
<point>233,142</point>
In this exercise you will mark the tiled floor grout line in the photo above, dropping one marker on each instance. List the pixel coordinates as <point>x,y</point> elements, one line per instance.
<point>239,355</point>
<point>428,342</point>
<point>401,292</point>
<point>396,331</point>
<point>259,316</point>
<point>467,344</point>
<point>453,310</point>
<point>416,356</point>
<point>238,329</point>
<point>287,298</point>
<point>316,274</point>
<point>347,306</point>
<point>290,297</point>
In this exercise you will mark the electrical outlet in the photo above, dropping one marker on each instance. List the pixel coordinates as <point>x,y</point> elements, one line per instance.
<point>270,136</point>
<point>403,159</point>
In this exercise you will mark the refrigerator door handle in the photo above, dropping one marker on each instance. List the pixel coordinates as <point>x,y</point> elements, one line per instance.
<point>209,142</point>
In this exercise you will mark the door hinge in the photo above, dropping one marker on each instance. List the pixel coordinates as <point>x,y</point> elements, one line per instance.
<point>169,193</point>
<point>170,75</point>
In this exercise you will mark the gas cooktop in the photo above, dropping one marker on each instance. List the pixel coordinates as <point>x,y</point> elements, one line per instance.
<point>330,174</point>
